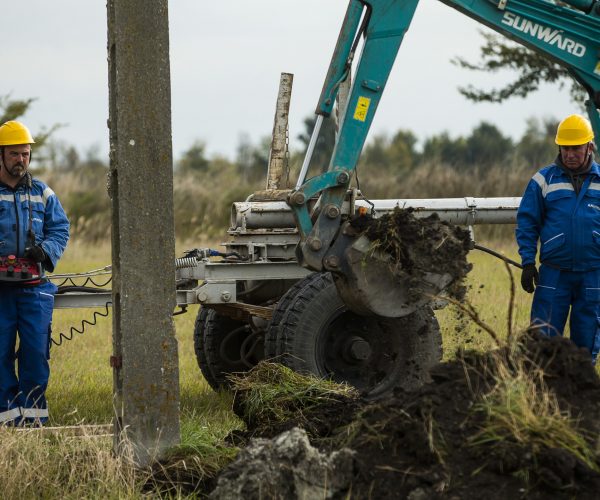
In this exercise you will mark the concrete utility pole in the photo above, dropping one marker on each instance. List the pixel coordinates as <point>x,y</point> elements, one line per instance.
<point>145,363</point>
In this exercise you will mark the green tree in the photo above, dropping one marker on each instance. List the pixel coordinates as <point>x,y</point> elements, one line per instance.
<point>375,153</point>
<point>402,152</point>
<point>325,142</point>
<point>498,53</point>
<point>253,160</point>
<point>13,109</point>
<point>443,149</point>
<point>537,146</point>
<point>194,159</point>
<point>487,146</point>
<point>396,154</point>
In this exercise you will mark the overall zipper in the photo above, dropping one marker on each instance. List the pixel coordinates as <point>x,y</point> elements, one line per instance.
<point>17,219</point>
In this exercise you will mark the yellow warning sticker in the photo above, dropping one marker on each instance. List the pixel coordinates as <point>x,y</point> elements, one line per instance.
<point>362,108</point>
<point>597,70</point>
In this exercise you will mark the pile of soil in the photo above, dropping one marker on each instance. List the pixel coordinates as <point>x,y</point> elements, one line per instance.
<point>419,245</point>
<point>419,444</point>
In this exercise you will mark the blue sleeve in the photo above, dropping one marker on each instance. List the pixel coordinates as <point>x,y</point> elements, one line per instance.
<point>529,222</point>
<point>56,231</point>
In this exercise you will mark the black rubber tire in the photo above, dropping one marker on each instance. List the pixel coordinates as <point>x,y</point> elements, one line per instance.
<point>272,343</point>
<point>215,359</point>
<point>319,335</point>
<point>199,328</point>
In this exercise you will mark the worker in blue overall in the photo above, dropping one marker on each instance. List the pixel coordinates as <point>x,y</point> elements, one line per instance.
<point>561,210</point>
<point>34,231</point>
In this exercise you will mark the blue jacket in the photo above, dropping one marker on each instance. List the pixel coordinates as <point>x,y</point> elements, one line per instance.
<point>567,225</point>
<point>48,220</point>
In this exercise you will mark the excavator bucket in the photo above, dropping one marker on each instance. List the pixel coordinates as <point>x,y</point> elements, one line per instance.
<point>418,260</point>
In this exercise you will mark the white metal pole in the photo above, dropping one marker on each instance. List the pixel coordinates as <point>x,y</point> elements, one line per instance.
<point>310,151</point>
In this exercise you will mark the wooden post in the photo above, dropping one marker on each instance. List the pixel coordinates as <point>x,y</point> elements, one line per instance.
<point>279,143</point>
<point>145,364</point>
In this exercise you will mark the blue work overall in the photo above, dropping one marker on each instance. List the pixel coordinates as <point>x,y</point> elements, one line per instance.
<point>28,211</point>
<point>567,226</point>
<point>28,311</point>
<point>558,291</point>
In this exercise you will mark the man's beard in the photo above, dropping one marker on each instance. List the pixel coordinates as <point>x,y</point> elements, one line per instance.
<point>17,174</point>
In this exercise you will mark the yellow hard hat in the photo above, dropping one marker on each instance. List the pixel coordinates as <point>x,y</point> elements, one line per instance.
<point>13,133</point>
<point>574,130</point>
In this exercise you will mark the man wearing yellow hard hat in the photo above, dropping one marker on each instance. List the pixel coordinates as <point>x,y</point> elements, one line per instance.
<point>34,231</point>
<point>561,210</point>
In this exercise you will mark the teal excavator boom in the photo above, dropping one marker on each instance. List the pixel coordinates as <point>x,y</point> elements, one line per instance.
<point>567,34</point>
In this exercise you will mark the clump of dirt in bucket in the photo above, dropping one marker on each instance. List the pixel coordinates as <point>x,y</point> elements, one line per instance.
<point>517,422</point>
<point>419,245</point>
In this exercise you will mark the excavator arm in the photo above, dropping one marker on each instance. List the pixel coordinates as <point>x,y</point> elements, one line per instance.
<point>568,35</point>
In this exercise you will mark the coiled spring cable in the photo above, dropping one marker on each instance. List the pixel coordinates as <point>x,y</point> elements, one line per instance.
<point>73,329</point>
<point>69,283</point>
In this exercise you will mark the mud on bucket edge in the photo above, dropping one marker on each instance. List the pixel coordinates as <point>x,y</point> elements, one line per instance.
<point>393,265</point>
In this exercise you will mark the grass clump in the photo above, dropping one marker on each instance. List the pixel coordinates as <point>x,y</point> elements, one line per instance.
<point>192,466</point>
<point>271,394</point>
<point>521,409</point>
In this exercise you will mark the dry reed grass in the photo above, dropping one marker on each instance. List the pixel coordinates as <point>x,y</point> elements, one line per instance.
<point>202,199</point>
<point>521,409</point>
<point>36,466</point>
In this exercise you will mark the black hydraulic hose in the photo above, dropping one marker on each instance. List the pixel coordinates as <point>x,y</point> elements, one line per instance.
<point>498,255</point>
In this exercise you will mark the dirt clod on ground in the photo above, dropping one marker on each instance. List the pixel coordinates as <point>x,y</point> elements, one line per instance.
<point>419,245</point>
<point>286,467</point>
<point>429,443</point>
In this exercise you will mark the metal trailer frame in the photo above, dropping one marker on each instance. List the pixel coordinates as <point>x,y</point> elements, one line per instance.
<point>263,233</point>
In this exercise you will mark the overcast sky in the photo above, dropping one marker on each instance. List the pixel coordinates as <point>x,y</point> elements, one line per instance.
<point>226,58</point>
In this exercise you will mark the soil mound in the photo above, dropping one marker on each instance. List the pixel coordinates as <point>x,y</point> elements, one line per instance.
<point>443,441</point>
<point>426,442</point>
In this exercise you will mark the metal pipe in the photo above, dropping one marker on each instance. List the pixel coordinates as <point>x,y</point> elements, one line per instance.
<point>309,151</point>
<point>462,211</point>
<point>465,211</point>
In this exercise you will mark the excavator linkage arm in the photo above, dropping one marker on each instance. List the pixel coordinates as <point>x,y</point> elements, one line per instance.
<point>569,36</point>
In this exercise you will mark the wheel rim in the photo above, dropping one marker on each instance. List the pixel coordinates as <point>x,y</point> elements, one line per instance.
<point>241,348</point>
<point>357,350</point>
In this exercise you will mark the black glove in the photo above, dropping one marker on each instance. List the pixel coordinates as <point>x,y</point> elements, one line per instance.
<point>529,278</point>
<point>35,253</point>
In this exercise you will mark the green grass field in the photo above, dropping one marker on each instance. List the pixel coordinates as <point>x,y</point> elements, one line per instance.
<point>80,389</point>
<point>81,382</point>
